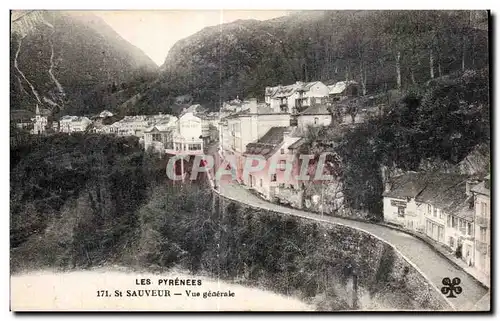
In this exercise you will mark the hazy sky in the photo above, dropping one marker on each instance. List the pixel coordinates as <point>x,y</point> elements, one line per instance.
<point>155,32</point>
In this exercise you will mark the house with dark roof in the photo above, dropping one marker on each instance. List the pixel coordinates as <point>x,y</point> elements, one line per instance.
<point>279,167</point>
<point>295,98</point>
<point>438,205</point>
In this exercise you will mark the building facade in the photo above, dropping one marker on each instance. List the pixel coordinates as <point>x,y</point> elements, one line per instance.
<point>452,210</point>
<point>72,124</point>
<point>482,231</point>
<point>295,98</point>
<point>188,136</point>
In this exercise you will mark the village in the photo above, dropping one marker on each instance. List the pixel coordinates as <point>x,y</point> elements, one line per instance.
<point>451,212</point>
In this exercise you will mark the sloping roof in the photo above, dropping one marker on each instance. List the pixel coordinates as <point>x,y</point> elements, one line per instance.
<point>481,189</point>
<point>285,91</point>
<point>455,201</point>
<point>340,86</point>
<point>297,144</point>
<point>267,144</point>
<point>270,91</point>
<point>162,127</point>
<point>319,109</point>
<point>262,109</point>
<point>424,185</point>
<point>288,90</point>
<point>437,186</point>
<point>445,191</point>
<point>307,86</point>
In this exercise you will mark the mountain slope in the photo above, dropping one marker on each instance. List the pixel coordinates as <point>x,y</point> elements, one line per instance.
<point>373,47</point>
<point>70,61</point>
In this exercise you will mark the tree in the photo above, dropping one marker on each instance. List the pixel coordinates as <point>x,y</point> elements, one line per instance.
<point>353,108</point>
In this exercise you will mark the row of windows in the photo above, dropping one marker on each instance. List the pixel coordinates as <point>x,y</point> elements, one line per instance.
<point>460,224</point>
<point>190,147</point>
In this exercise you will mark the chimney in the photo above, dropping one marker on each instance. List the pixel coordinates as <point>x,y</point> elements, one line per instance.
<point>387,186</point>
<point>252,102</point>
<point>469,184</point>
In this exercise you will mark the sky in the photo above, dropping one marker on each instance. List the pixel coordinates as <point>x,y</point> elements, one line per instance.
<point>155,32</point>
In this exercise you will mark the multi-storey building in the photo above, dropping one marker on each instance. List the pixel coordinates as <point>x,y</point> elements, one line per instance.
<point>450,209</point>
<point>160,136</point>
<point>188,136</point>
<point>72,124</point>
<point>40,121</point>
<point>482,231</point>
<point>295,98</point>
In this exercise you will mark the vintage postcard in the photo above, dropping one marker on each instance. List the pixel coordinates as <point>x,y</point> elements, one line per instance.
<point>265,160</point>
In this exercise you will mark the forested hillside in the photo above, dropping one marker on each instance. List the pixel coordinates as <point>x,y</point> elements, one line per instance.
<point>380,49</point>
<point>441,122</point>
<point>91,184</point>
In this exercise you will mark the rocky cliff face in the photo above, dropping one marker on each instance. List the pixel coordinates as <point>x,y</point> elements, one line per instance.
<point>69,61</point>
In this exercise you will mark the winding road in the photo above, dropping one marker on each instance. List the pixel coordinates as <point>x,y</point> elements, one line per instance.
<point>431,264</point>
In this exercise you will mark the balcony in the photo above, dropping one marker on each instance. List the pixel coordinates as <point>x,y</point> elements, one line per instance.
<point>481,247</point>
<point>482,221</point>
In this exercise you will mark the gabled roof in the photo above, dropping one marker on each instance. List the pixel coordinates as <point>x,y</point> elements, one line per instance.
<point>340,86</point>
<point>308,85</point>
<point>271,91</point>
<point>267,144</point>
<point>161,127</point>
<point>285,91</point>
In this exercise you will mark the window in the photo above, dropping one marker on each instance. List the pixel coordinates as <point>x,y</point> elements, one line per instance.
<point>469,229</point>
<point>435,212</point>
<point>261,182</point>
<point>316,120</point>
<point>454,222</point>
<point>441,215</point>
<point>282,164</point>
<point>483,209</point>
<point>282,151</point>
<point>448,221</point>
<point>273,178</point>
<point>401,211</point>
<point>194,146</point>
<point>482,234</point>
<point>429,209</point>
